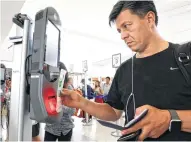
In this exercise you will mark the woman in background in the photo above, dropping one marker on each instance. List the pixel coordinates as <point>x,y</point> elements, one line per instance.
<point>61,131</point>
<point>99,92</point>
<point>98,89</point>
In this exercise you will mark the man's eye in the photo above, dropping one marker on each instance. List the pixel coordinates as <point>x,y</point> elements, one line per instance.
<point>126,25</point>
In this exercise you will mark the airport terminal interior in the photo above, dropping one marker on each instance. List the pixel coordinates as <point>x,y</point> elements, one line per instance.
<point>48,45</point>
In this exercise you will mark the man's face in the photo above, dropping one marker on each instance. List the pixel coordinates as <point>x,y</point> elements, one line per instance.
<point>107,80</point>
<point>96,83</point>
<point>135,31</point>
<point>71,81</point>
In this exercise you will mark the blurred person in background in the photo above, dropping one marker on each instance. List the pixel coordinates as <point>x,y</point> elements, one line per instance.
<point>97,88</point>
<point>106,86</point>
<point>90,96</point>
<point>35,131</point>
<point>62,131</point>
<point>70,83</point>
<point>99,92</point>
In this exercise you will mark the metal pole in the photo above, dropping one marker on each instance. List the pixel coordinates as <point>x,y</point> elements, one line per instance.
<point>117,132</point>
<point>77,82</point>
<point>20,126</point>
<point>22,79</point>
<point>86,96</point>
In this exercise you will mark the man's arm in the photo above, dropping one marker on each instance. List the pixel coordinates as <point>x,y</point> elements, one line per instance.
<point>185,117</point>
<point>105,111</point>
<point>102,111</point>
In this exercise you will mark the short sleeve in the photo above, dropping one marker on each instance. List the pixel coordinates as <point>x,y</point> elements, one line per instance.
<point>68,110</point>
<point>70,87</point>
<point>114,97</point>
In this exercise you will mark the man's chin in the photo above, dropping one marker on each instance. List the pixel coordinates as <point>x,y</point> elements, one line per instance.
<point>133,48</point>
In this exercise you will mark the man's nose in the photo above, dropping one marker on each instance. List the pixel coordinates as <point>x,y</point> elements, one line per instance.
<point>124,35</point>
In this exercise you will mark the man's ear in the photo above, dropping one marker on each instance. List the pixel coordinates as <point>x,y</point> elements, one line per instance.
<point>151,19</point>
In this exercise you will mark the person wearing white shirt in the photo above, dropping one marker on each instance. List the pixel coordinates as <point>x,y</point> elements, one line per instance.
<point>106,86</point>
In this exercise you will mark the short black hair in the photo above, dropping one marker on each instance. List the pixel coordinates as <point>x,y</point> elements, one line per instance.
<point>62,66</point>
<point>83,81</point>
<point>108,77</point>
<point>3,66</point>
<point>140,8</point>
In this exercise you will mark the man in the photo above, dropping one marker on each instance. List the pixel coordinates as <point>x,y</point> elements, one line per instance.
<point>70,83</point>
<point>156,87</point>
<point>90,93</point>
<point>106,86</point>
<point>89,90</point>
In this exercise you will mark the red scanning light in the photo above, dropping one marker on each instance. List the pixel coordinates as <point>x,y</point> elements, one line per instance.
<point>50,100</point>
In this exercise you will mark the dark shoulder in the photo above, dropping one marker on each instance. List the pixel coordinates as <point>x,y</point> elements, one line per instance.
<point>126,64</point>
<point>123,70</point>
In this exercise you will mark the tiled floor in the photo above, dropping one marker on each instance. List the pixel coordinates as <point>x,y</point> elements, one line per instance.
<point>94,132</point>
<point>3,128</point>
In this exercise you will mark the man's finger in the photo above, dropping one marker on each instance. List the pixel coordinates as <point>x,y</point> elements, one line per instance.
<point>65,92</point>
<point>144,134</point>
<point>152,134</point>
<point>139,125</point>
<point>134,128</point>
<point>139,110</point>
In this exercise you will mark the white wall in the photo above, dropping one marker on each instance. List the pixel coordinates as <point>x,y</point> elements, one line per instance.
<point>87,36</point>
<point>77,46</point>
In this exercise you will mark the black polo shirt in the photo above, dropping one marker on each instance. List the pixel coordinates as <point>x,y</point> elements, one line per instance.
<point>157,82</point>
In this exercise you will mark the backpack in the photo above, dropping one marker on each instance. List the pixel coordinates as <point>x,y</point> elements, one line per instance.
<point>182,54</point>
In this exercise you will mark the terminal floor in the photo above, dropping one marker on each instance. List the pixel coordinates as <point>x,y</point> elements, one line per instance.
<point>93,132</point>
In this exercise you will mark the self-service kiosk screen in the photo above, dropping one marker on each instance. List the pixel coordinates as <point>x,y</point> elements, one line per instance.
<point>52,41</point>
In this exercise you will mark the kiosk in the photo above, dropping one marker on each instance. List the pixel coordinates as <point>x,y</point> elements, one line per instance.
<point>36,78</point>
<point>45,67</point>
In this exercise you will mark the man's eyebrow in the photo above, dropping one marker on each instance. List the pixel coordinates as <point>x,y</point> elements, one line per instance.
<point>123,25</point>
<point>125,22</point>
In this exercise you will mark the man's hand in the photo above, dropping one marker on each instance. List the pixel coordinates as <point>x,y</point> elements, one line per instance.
<point>72,98</point>
<point>102,111</point>
<point>153,125</point>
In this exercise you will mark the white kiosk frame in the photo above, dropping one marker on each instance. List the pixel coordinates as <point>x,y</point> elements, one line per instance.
<point>20,125</point>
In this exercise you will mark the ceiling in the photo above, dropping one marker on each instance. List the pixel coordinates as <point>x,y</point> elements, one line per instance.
<point>90,18</point>
<point>86,31</point>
